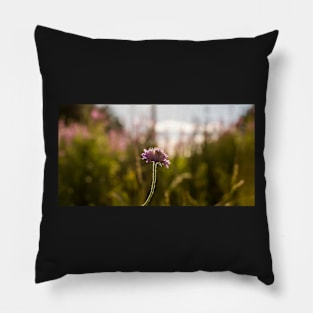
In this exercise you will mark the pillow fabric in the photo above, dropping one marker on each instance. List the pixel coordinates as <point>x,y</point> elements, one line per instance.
<point>154,155</point>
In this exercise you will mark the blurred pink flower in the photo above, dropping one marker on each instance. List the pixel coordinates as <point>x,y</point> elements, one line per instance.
<point>68,132</point>
<point>96,114</point>
<point>117,140</point>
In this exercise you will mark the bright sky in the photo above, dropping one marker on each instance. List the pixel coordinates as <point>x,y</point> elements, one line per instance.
<point>190,113</point>
<point>175,123</point>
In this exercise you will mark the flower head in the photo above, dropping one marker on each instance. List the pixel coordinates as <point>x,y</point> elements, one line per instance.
<point>155,155</point>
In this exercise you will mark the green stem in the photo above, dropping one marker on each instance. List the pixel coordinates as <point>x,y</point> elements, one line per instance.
<point>154,169</point>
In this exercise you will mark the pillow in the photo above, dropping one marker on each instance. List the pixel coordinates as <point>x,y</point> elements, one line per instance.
<point>154,155</point>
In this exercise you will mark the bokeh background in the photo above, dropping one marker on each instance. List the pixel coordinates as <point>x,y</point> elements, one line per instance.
<point>211,149</point>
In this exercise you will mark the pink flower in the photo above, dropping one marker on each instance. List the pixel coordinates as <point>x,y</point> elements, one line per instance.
<point>156,155</point>
<point>96,115</point>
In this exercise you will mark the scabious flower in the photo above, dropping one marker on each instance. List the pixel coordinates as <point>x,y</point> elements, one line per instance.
<point>156,155</point>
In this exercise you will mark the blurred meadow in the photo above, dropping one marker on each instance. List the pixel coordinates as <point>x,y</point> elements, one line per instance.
<point>211,149</point>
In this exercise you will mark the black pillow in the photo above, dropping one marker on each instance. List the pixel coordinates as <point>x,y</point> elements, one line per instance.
<point>194,199</point>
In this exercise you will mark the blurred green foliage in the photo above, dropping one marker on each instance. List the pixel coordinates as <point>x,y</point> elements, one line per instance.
<point>99,164</point>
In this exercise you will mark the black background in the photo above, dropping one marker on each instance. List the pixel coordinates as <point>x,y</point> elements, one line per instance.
<point>79,70</point>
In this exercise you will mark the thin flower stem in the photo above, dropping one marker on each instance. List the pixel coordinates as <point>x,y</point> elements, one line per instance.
<point>154,169</point>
